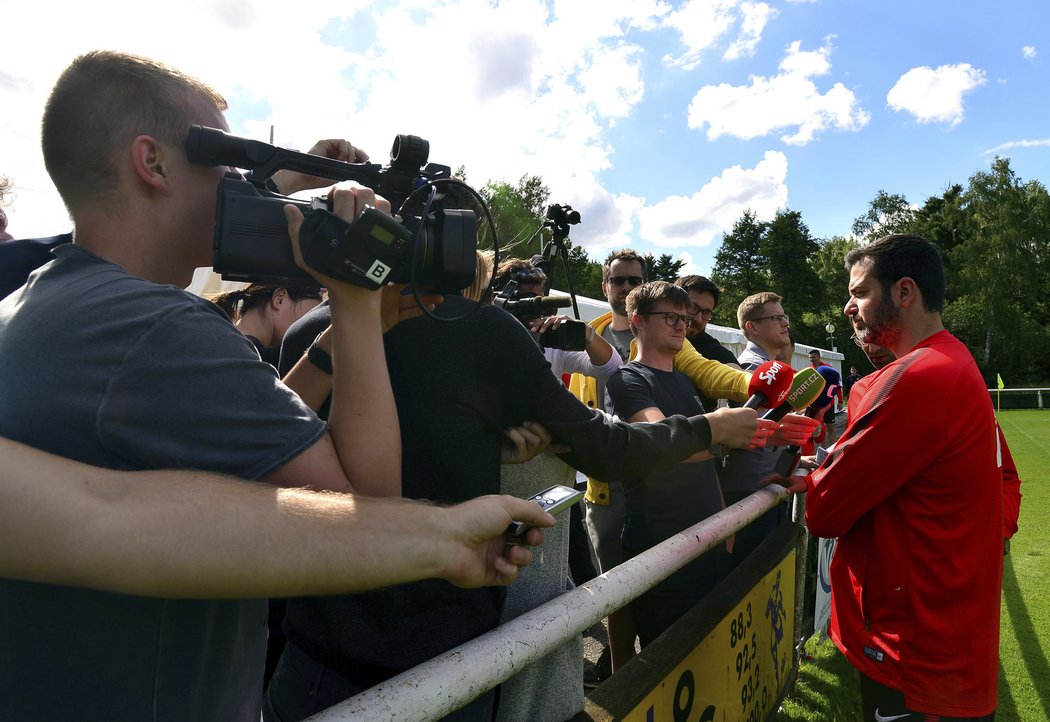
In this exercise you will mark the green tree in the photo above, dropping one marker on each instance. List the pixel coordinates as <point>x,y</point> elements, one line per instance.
<point>945,221</point>
<point>741,267</point>
<point>664,268</point>
<point>789,248</point>
<point>887,213</point>
<point>586,274</point>
<point>829,264</point>
<point>1001,266</point>
<point>518,213</point>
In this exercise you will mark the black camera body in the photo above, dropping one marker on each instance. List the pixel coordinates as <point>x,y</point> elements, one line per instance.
<point>251,233</point>
<point>562,215</point>
<point>570,335</point>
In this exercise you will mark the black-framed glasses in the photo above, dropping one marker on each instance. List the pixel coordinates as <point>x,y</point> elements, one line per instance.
<point>704,313</point>
<point>620,280</point>
<point>776,318</point>
<point>670,317</point>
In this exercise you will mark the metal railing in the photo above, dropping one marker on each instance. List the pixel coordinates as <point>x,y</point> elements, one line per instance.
<point>449,681</point>
<point>1020,398</point>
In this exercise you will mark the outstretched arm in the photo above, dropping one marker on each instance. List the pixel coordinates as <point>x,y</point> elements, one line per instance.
<point>198,535</point>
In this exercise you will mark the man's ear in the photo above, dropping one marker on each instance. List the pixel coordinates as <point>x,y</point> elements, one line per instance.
<point>148,159</point>
<point>907,292</point>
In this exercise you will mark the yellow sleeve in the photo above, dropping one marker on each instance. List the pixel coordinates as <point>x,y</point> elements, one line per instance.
<point>712,378</point>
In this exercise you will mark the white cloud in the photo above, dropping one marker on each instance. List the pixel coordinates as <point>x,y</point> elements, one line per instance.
<point>935,95</point>
<point>1041,143</point>
<point>755,18</point>
<point>1029,52</point>
<point>508,89</point>
<point>698,220</point>
<point>789,100</point>
<point>702,24</point>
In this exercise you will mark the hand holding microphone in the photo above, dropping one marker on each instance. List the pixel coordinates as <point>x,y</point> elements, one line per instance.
<point>806,389</point>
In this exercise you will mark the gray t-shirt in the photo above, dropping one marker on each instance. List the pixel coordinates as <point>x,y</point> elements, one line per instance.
<point>109,369</point>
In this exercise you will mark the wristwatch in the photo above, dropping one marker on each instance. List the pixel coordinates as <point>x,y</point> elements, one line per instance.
<point>319,357</point>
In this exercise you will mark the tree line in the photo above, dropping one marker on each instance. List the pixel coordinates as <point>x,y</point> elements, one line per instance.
<point>993,233</point>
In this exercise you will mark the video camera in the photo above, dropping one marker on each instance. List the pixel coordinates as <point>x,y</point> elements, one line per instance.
<point>251,234</point>
<point>569,336</point>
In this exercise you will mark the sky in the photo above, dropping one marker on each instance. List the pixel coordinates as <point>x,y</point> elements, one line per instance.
<point>660,122</point>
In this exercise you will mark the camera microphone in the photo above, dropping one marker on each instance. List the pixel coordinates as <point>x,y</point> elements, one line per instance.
<point>536,305</point>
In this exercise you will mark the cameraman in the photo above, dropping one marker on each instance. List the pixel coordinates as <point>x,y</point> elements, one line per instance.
<point>598,358</point>
<point>109,362</point>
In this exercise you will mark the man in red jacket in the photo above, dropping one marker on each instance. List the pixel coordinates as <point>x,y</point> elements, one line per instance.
<point>917,574</point>
<point>880,358</point>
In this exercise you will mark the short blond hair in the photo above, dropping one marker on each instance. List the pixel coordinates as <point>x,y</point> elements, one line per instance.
<point>751,306</point>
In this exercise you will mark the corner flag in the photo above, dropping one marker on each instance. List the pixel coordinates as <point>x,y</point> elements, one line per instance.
<point>999,380</point>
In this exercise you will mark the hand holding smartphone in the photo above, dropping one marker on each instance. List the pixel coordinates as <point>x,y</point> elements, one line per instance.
<point>552,500</point>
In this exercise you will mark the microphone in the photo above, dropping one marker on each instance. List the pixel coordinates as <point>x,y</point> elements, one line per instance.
<point>809,392</point>
<point>534,305</point>
<point>806,388</point>
<point>769,385</point>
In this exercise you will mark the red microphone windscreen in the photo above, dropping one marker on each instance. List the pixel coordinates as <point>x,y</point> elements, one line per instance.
<point>772,381</point>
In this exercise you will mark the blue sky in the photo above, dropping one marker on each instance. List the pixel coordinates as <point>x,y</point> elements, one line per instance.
<point>661,122</point>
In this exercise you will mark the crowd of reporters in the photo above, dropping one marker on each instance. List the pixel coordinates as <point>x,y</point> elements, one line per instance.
<point>430,395</point>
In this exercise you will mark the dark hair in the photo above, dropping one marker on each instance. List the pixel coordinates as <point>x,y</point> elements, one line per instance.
<point>642,299</point>
<point>624,254</point>
<point>517,269</point>
<point>237,303</point>
<point>904,256</point>
<point>700,284</point>
<point>98,105</point>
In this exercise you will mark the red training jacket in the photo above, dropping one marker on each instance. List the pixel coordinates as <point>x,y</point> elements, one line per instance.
<point>914,492</point>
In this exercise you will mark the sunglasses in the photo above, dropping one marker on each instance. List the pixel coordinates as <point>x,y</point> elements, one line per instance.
<point>620,280</point>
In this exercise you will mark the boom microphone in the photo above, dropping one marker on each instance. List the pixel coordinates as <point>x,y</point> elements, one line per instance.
<point>806,387</point>
<point>770,384</point>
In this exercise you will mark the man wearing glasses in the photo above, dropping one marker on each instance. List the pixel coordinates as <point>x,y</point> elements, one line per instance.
<point>765,326</point>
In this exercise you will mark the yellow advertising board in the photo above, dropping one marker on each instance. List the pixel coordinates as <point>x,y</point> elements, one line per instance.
<point>739,670</point>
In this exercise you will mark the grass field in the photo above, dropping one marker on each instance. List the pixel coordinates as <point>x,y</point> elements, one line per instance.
<point>827,688</point>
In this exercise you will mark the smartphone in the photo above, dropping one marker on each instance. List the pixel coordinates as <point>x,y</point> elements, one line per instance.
<point>552,501</point>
